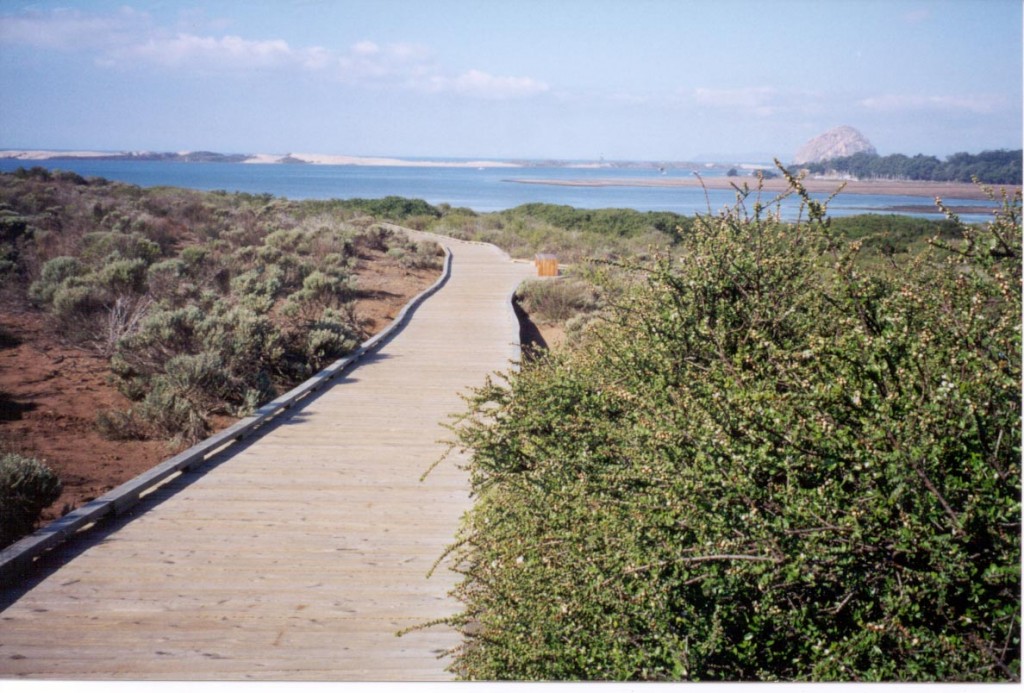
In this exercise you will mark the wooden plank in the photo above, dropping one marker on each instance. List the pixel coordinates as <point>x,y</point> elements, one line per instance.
<point>18,557</point>
<point>300,554</point>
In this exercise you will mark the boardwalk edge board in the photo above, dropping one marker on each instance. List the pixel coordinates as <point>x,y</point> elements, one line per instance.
<point>18,558</point>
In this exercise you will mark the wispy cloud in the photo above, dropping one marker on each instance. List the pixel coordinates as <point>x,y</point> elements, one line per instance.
<point>73,30</point>
<point>484,85</point>
<point>917,16</point>
<point>750,98</point>
<point>894,103</point>
<point>763,101</point>
<point>226,52</point>
<point>370,63</point>
<point>129,39</point>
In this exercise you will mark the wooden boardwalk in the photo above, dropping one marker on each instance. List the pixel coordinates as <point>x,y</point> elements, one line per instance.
<point>299,554</point>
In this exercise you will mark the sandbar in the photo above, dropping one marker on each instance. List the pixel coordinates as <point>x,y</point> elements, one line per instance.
<point>964,191</point>
<point>342,160</point>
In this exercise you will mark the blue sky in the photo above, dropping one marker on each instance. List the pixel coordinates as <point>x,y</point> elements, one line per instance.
<point>574,79</point>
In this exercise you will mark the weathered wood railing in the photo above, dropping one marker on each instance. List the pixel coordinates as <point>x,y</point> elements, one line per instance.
<point>17,558</point>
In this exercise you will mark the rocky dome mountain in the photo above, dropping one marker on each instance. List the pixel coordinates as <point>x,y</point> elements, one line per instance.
<point>837,142</point>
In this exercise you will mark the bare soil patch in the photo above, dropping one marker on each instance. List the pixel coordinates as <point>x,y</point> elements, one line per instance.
<point>537,336</point>
<point>51,391</point>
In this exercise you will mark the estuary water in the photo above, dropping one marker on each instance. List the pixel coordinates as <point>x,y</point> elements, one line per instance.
<point>480,189</point>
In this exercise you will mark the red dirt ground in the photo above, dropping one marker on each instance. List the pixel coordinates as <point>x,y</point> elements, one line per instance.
<point>50,392</point>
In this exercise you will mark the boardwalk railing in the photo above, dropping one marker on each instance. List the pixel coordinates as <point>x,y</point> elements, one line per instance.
<point>17,558</point>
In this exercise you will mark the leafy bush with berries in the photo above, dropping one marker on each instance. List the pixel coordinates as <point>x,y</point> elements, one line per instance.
<point>767,461</point>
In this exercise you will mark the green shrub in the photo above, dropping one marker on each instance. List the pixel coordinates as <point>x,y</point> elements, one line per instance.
<point>248,343</point>
<point>99,245</point>
<point>123,276</point>
<point>766,464</point>
<point>424,255</point>
<point>329,338</point>
<point>392,207</point>
<point>169,281</point>
<point>328,288</point>
<point>181,399</point>
<point>27,486</point>
<point>121,425</point>
<point>76,307</point>
<point>557,300</point>
<point>194,256</point>
<point>375,238</point>
<point>161,335</point>
<point>54,272</point>
<point>261,282</point>
<point>13,226</point>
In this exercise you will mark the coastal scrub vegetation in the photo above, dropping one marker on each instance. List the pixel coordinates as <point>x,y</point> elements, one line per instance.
<point>26,487</point>
<point>591,242</point>
<point>580,236</point>
<point>769,459</point>
<point>205,304</point>
<point>574,235</point>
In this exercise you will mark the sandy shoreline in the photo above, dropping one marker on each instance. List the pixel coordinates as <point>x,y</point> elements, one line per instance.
<point>44,154</point>
<point>344,160</point>
<point>314,159</point>
<point>965,191</point>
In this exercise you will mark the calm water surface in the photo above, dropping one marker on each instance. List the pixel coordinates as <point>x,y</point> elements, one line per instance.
<point>483,190</point>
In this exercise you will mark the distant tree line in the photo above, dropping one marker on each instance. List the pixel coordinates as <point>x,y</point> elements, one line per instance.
<point>1000,166</point>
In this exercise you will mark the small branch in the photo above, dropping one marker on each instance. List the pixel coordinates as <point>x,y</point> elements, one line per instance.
<point>697,559</point>
<point>834,611</point>
<point>695,580</point>
<point>942,500</point>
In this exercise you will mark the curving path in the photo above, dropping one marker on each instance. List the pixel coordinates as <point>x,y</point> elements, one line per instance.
<point>299,554</point>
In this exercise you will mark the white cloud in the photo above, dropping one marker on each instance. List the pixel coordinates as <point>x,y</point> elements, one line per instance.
<point>761,101</point>
<point>370,64</point>
<point>73,30</point>
<point>227,52</point>
<point>917,16</point>
<point>365,48</point>
<point>628,98</point>
<point>757,99</point>
<point>317,58</point>
<point>893,103</point>
<point>488,86</point>
<point>129,39</point>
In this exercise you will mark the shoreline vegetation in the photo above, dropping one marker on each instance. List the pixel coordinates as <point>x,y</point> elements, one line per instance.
<point>966,191</point>
<point>816,184</point>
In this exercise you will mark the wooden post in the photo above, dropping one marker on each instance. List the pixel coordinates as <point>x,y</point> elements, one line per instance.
<point>547,265</point>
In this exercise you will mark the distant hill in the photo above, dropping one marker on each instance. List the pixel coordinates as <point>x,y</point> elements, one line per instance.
<point>837,142</point>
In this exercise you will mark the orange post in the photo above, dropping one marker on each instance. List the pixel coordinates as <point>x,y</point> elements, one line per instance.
<point>547,265</point>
